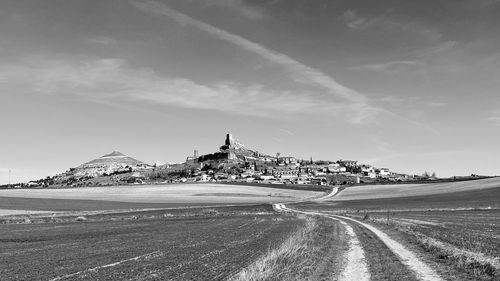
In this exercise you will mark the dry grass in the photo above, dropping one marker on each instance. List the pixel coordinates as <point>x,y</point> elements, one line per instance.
<point>476,263</point>
<point>282,263</point>
<point>314,252</point>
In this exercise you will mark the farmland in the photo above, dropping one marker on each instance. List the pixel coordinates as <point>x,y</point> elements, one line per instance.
<point>140,197</point>
<point>449,231</point>
<point>454,226</point>
<point>465,243</point>
<point>210,244</point>
<point>140,232</point>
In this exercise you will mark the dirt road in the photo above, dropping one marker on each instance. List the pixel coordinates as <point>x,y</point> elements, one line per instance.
<point>358,264</point>
<point>356,267</point>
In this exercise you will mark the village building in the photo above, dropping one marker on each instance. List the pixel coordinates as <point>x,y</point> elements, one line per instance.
<point>348,163</point>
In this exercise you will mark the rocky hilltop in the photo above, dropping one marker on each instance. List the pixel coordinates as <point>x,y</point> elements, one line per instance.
<point>108,164</point>
<point>233,151</point>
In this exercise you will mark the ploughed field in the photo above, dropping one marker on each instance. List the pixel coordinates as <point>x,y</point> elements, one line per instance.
<point>144,196</point>
<point>199,244</point>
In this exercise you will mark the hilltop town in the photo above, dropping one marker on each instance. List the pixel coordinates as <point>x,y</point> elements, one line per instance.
<point>232,162</point>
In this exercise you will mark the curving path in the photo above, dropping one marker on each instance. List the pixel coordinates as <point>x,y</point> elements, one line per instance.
<point>356,268</point>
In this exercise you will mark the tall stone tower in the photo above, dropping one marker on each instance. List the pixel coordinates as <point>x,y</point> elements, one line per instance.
<point>229,140</point>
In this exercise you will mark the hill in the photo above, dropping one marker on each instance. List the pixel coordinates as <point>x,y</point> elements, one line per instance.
<point>112,163</point>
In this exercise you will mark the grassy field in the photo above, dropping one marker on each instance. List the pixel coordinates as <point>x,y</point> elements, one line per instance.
<point>462,195</point>
<point>468,241</point>
<point>152,196</point>
<point>206,244</point>
<point>363,192</point>
<point>456,226</point>
<point>314,252</point>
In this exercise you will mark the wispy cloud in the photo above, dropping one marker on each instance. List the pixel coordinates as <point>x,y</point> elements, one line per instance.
<point>288,132</point>
<point>240,6</point>
<point>436,104</point>
<point>479,4</point>
<point>357,102</point>
<point>109,80</point>
<point>494,118</point>
<point>387,66</point>
<point>352,20</point>
<point>438,48</point>
<point>102,40</point>
<point>390,25</point>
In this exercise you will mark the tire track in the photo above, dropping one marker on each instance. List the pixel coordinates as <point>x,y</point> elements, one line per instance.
<point>151,255</point>
<point>408,258</point>
<point>356,268</point>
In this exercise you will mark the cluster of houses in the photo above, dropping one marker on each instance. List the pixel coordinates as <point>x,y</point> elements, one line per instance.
<point>235,163</point>
<point>289,170</point>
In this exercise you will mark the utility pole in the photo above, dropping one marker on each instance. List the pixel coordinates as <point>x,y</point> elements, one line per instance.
<point>9,176</point>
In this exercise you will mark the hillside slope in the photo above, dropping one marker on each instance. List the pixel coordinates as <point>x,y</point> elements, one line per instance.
<point>363,192</point>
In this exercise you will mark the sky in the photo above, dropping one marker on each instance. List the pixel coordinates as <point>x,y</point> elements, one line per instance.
<point>408,85</point>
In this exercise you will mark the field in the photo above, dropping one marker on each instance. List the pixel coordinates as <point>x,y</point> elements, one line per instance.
<point>140,232</point>
<point>314,252</point>
<point>466,241</point>
<point>456,226</point>
<point>363,192</point>
<point>208,244</point>
<point>445,231</point>
<point>140,197</point>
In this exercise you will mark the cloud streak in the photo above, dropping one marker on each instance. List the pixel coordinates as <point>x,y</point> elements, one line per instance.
<point>386,66</point>
<point>102,40</point>
<point>352,20</point>
<point>494,118</point>
<point>288,132</point>
<point>110,80</point>
<point>249,12</point>
<point>300,72</point>
<point>439,48</point>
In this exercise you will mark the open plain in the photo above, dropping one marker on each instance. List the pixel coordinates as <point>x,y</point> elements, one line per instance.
<point>211,244</point>
<point>453,234</point>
